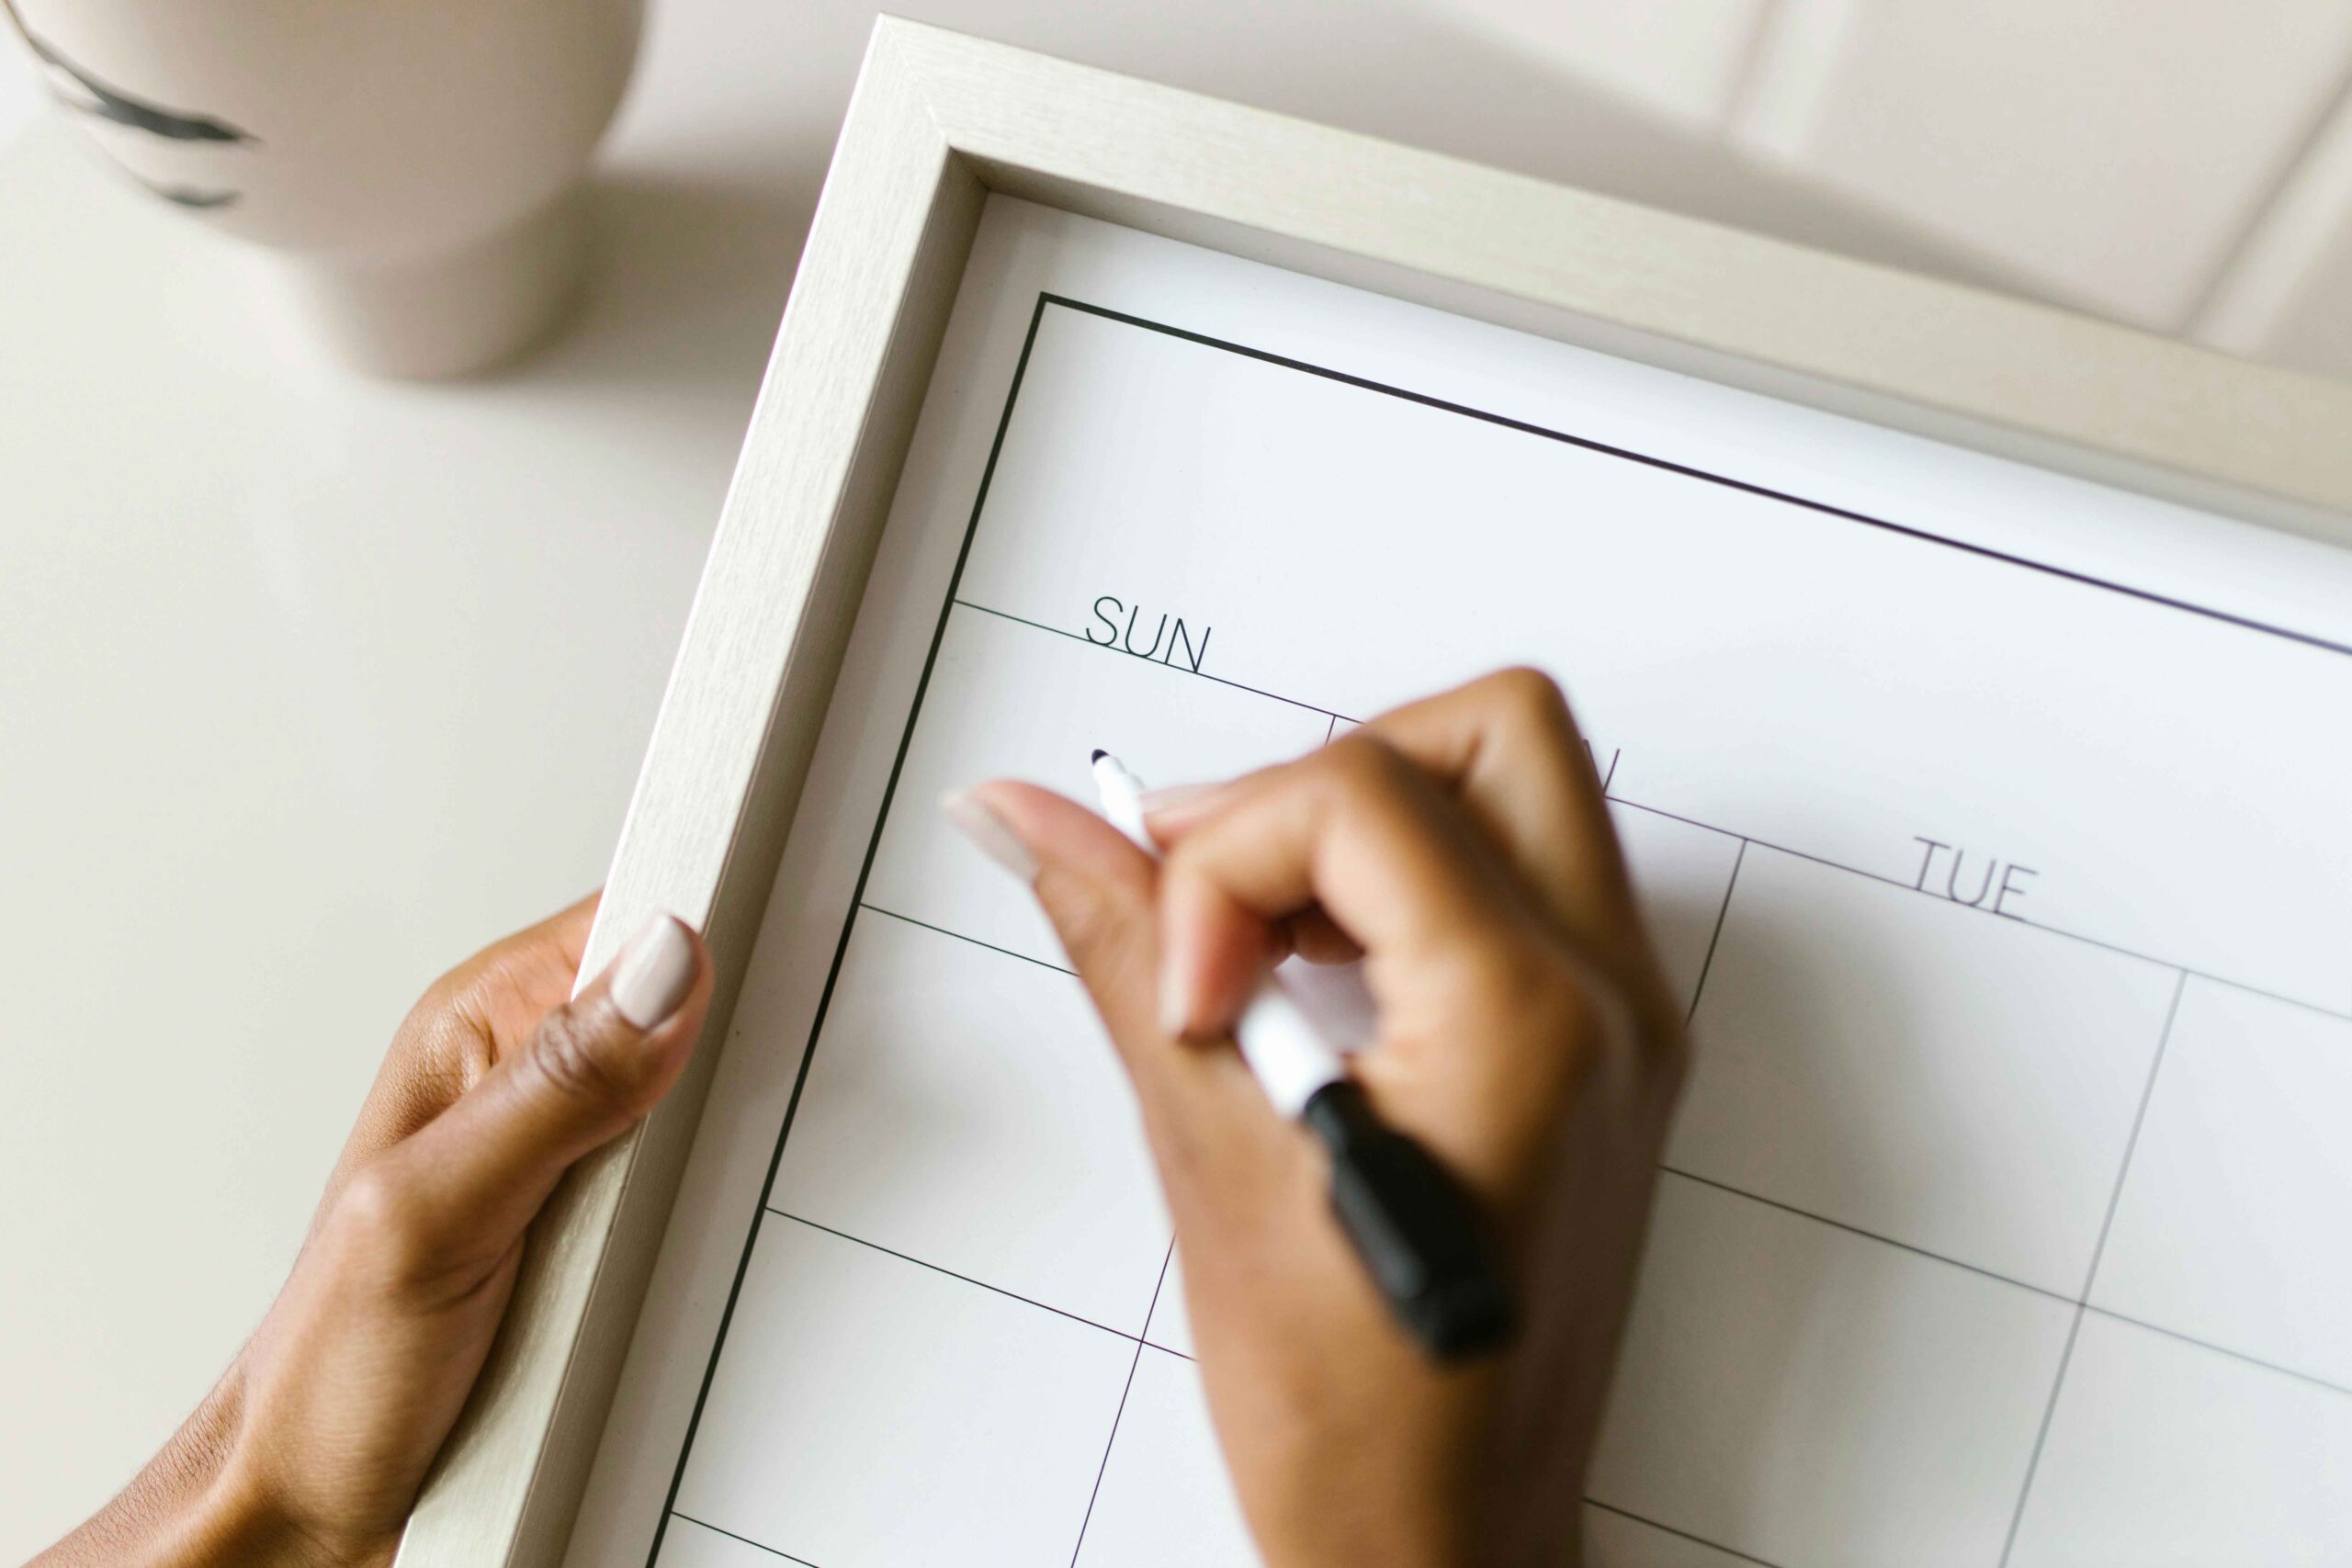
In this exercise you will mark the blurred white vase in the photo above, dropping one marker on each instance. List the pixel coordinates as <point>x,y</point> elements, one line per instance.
<point>413,167</point>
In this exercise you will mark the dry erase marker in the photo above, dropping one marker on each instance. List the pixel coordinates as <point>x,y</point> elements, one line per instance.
<point>1414,1226</point>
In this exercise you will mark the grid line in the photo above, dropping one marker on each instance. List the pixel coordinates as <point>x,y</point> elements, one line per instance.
<point>1714,938</point>
<point>2090,1275</point>
<point>747,1541</point>
<point>1125,1389</point>
<point>942,1269</point>
<point>1880,1236</point>
<point>1684,1535</point>
<point>975,942</point>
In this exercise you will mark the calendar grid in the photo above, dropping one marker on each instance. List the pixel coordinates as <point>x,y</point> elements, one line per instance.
<point>2182,972</point>
<point>2079,1303</point>
<point>1803,1213</point>
<point>953,601</point>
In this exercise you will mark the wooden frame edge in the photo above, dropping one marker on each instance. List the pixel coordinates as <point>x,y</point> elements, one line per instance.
<point>723,771</point>
<point>936,121</point>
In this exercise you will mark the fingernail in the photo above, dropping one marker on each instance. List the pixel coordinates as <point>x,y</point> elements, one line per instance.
<point>1174,795</point>
<point>654,972</point>
<point>989,834</point>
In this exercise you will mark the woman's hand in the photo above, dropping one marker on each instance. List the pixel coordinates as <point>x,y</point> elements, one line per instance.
<point>1461,845</point>
<point>311,1449</point>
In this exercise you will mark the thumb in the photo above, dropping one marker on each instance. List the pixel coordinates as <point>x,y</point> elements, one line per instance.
<point>595,1066</point>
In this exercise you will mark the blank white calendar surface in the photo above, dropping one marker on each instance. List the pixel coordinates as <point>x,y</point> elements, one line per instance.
<point>959,1124</point>
<point>1922,1103</point>
<point>1988,822</point>
<point>1812,1395</point>
<point>848,1359</point>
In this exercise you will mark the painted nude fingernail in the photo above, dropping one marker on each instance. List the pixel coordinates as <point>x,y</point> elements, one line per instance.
<point>654,972</point>
<point>989,834</point>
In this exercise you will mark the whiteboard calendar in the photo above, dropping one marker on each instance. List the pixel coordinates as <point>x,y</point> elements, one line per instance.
<point>1992,825</point>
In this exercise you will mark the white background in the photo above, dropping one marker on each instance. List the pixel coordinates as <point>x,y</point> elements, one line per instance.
<point>308,686</point>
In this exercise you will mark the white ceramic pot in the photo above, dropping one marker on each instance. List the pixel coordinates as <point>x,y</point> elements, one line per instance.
<point>415,165</point>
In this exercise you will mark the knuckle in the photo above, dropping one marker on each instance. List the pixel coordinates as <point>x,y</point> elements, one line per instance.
<point>1525,695</point>
<point>444,1050</point>
<point>1558,998</point>
<point>453,991</point>
<point>1192,864</point>
<point>382,1220</point>
<point>1362,766</point>
<point>430,1017</point>
<point>1519,980</point>
<point>567,1056</point>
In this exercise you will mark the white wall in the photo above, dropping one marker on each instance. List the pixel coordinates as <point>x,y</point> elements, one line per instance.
<point>2179,164</point>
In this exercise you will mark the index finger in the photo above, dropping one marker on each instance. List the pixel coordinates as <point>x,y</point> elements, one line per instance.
<point>1355,830</point>
<point>1507,747</point>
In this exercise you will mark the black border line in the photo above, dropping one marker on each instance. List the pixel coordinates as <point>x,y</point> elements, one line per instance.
<point>947,609</point>
<point>1526,428</point>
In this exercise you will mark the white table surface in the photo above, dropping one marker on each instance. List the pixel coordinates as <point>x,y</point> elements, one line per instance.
<point>310,685</point>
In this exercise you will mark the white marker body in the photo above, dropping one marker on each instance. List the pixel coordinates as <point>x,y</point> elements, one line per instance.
<point>1286,1052</point>
<point>1121,796</point>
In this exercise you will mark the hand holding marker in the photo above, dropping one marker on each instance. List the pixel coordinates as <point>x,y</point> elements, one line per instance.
<point>1525,1040</point>
<point>1415,1227</point>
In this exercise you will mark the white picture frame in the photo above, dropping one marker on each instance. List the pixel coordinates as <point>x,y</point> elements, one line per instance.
<point>937,122</point>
